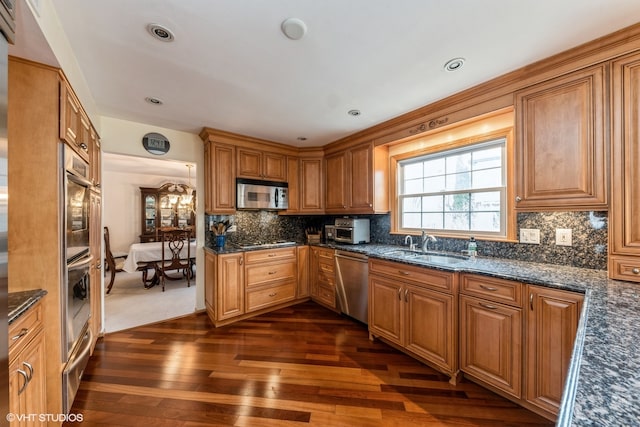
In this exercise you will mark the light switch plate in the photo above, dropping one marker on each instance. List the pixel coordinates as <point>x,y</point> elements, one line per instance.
<point>530,236</point>
<point>563,237</point>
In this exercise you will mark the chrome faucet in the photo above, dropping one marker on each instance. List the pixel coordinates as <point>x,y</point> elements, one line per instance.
<point>426,238</point>
<point>409,240</point>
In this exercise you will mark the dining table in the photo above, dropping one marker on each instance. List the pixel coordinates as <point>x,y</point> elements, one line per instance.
<point>144,256</point>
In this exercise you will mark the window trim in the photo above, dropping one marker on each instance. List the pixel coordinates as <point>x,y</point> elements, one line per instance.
<point>510,214</point>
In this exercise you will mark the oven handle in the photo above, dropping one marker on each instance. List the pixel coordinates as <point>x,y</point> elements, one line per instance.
<point>80,263</point>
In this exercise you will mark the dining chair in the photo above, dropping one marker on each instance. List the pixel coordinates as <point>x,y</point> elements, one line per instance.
<point>115,263</point>
<point>175,256</point>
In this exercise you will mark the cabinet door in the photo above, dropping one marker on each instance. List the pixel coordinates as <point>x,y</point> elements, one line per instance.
<point>95,243</point>
<point>293,179</point>
<point>230,286</point>
<point>624,242</point>
<point>386,308</point>
<point>561,143</point>
<point>249,163</point>
<point>303,271</point>
<point>274,167</point>
<point>336,179</point>
<point>210,284</point>
<point>361,177</point>
<point>491,342</point>
<point>96,160</point>
<point>430,326</point>
<point>223,188</point>
<point>29,396</point>
<point>552,322</point>
<point>312,179</point>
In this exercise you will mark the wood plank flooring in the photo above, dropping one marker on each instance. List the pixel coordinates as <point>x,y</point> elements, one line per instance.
<point>299,366</point>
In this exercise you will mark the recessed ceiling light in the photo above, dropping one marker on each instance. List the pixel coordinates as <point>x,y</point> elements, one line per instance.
<point>354,112</point>
<point>154,101</point>
<point>301,138</point>
<point>454,64</point>
<point>160,32</point>
<point>293,28</point>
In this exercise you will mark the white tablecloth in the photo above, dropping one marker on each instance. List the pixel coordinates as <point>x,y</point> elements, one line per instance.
<point>149,252</point>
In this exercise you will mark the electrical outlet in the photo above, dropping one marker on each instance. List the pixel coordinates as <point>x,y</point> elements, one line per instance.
<point>530,235</point>
<point>563,237</point>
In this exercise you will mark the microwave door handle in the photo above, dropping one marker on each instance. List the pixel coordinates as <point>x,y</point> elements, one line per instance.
<point>276,197</point>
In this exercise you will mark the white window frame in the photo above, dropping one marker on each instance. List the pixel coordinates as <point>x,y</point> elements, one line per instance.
<point>503,233</point>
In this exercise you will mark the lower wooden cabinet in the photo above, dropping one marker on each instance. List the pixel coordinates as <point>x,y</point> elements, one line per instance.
<point>224,286</point>
<point>323,276</point>
<point>415,309</point>
<point>27,368</point>
<point>552,323</point>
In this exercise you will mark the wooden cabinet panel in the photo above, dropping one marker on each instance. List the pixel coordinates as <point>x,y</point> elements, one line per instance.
<point>270,296</point>
<point>561,143</point>
<point>230,286</point>
<point>95,280</point>
<point>293,179</point>
<point>336,182</point>
<point>220,185</point>
<point>386,308</point>
<point>491,343</point>
<point>624,215</point>
<point>266,273</point>
<point>361,182</point>
<point>249,163</point>
<point>323,276</point>
<point>552,323</point>
<point>274,167</point>
<point>277,254</point>
<point>491,288</point>
<point>431,319</point>
<point>210,278</point>
<point>439,280</point>
<point>261,165</point>
<point>96,159</point>
<point>303,289</point>
<point>311,185</point>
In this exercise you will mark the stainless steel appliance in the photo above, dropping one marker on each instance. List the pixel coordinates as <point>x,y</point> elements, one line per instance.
<point>7,27</point>
<point>352,272</point>
<point>75,292</point>
<point>330,232</point>
<point>266,195</point>
<point>352,230</point>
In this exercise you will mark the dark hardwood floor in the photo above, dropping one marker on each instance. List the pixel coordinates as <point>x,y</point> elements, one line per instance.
<point>299,366</point>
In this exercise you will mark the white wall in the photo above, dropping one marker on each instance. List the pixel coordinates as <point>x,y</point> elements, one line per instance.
<point>125,137</point>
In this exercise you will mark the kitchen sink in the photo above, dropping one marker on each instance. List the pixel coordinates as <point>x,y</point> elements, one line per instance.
<point>427,256</point>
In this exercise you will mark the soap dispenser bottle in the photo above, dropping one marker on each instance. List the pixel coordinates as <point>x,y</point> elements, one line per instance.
<point>472,248</point>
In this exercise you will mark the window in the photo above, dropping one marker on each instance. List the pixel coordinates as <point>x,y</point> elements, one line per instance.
<point>460,191</point>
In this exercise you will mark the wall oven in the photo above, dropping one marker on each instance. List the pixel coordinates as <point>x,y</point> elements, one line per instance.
<point>76,285</point>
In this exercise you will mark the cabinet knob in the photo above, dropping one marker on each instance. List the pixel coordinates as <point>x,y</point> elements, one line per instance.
<point>83,146</point>
<point>636,270</point>
<point>518,199</point>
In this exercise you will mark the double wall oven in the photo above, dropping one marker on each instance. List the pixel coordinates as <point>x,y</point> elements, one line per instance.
<point>75,293</point>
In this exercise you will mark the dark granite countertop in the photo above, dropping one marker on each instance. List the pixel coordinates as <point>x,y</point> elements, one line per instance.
<point>603,384</point>
<point>19,302</point>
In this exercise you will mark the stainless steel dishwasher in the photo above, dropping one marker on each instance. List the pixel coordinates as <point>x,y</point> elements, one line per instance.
<point>352,271</point>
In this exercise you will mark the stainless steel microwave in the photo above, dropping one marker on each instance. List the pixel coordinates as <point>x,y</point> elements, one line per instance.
<point>265,195</point>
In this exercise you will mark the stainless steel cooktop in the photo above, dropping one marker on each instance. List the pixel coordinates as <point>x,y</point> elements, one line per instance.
<point>265,245</point>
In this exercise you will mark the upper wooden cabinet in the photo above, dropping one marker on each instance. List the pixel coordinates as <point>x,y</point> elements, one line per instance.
<point>357,180</point>
<point>261,165</point>
<point>561,143</point>
<point>624,237</point>
<point>220,178</point>
<point>74,124</point>
<point>306,180</point>
<point>96,160</point>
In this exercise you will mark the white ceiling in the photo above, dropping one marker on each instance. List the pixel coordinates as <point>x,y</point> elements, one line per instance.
<point>148,166</point>
<point>230,67</point>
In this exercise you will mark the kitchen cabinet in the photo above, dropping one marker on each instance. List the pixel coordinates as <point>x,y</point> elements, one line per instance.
<point>96,160</point>
<point>491,334</point>
<point>74,125</point>
<point>261,165</point>
<point>624,214</point>
<point>306,182</point>
<point>224,278</point>
<point>303,289</point>
<point>27,365</point>
<point>561,145</point>
<point>357,180</point>
<point>220,178</point>
<point>95,278</point>
<point>552,323</point>
<point>271,277</point>
<point>157,210</point>
<point>293,179</point>
<point>415,308</point>
<point>323,276</point>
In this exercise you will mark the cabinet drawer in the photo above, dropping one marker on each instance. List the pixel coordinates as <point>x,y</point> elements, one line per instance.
<point>24,328</point>
<point>422,276</point>
<point>624,268</point>
<point>498,290</point>
<point>326,295</point>
<point>268,296</point>
<point>253,257</point>
<point>264,273</point>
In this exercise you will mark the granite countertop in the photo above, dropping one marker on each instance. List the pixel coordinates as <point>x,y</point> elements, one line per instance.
<point>603,383</point>
<point>20,302</point>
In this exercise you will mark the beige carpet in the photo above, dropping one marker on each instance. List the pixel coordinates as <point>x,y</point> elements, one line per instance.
<point>129,304</point>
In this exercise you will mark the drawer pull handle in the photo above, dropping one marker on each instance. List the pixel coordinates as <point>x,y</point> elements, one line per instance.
<point>30,368</point>
<point>489,306</point>
<point>399,294</point>
<point>22,333</point>
<point>636,270</point>
<point>273,294</point>
<point>406,293</point>
<point>531,300</point>
<point>404,273</point>
<point>488,288</point>
<point>271,255</point>
<point>272,272</point>
<point>26,380</point>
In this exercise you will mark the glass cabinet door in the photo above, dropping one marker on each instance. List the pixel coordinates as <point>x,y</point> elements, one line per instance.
<point>150,214</point>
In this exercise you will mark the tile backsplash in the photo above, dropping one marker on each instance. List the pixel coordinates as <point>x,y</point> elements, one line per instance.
<point>588,250</point>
